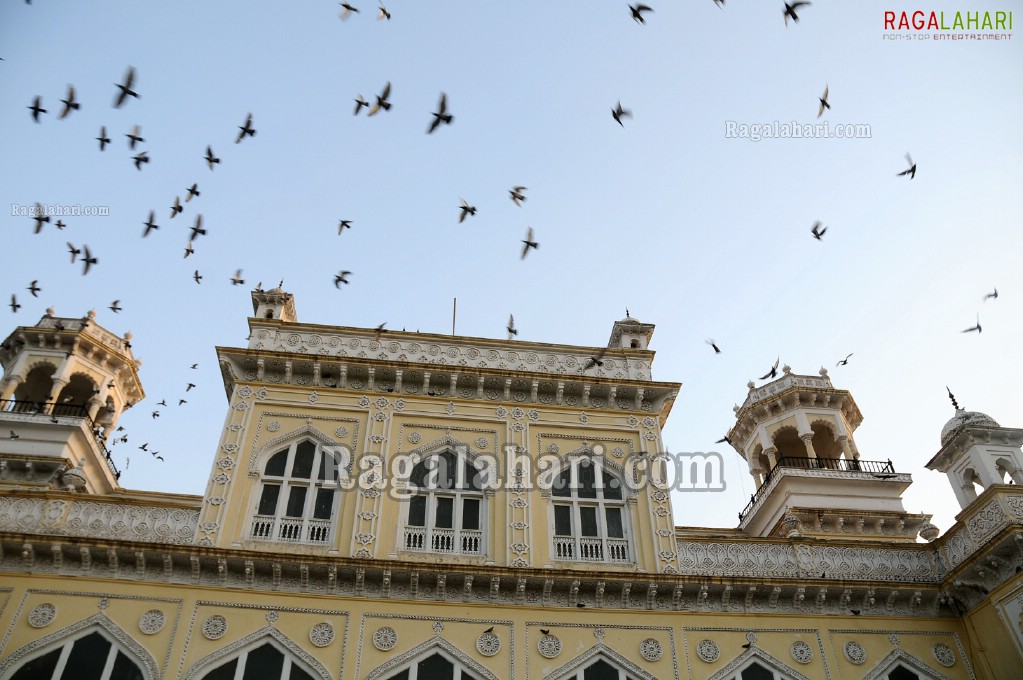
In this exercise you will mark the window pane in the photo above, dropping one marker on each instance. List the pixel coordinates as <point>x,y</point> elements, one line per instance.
<point>436,667</point>
<point>470,513</point>
<point>562,484</point>
<point>562,520</point>
<point>87,659</point>
<point>296,501</point>
<point>612,487</point>
<point>471,479</point>
<point>447,467</point>
<point>299,674</point>
<point>417,511</point>
<point>601,670</point>
<point>125,669</point>
<point>303,465</point>
<point>225,672</point>
<point>587,486</point>
<point>264,663</point>
<point>588,521</point>
<point>903,673</point>
<point>41,667</point>
<point>445,510</point>
<point>324,504</point>
<point>418,476</point>
<point>328,468</point>
<point>402,675</point>
<point>275,466</point>
<point>614,522</point>
<point>757,672</point>
<point>268,501</point>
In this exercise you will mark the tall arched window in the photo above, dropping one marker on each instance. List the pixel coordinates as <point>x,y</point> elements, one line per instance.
<point>92,656</point>
<point>590,520</point>
<point>299,495</point>
<point>263,662</point>
<point>437,666</point>
<point>446,511</point>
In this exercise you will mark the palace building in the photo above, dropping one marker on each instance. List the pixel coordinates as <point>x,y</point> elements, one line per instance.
<point>386,505</point>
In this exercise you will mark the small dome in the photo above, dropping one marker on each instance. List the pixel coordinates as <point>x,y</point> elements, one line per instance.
<point>75,477</point>
<point>963,419</point>
<point>276,291</point>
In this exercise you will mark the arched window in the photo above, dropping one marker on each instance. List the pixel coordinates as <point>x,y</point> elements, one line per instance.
<point>590,521</point>
<point>264,662</point>
<point>299,495</point>
<point>446,512</point>
<point>89,656</point>
<point>437,666</point>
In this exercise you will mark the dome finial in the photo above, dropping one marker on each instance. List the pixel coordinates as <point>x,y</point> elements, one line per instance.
<point>951,396</point>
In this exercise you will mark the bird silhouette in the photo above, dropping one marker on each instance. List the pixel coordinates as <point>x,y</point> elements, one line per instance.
<point>466,210</point>
<point>511,327</point>
<point>618,112</point>
<point>134,137</point>
<point>69,104</point>
<point>974,328</point>
<point>441,115</point>
<point>382,102</point>
<point>193,192</point>
<point>823,99</point>
<point>140,159</point>
<point>14,304</point>
<point>189,250</point>
<point>14,435</point>
<point>773,372</point>
<point>33,288</point>
<point>103,139</point>
<point>993,295</point>
<point>194,366</point>
<point>340,278</point>
<point>182,402</point>
<point>488,630</point>
<point>747,645</point>
<point>817,232</point>
<point>724,440</point>
<point>529,243</point>
<point>197,229</point>
<point>60,225</point>
<point>717,350</point>
<point>115,306</point>
<point>176,208</point>
<point>189,387</point>
<point>360,102</point>
<point>637,12</point>
<point>87,260</point>
<point>595,361</point>
<point>197,277</point>
<point>125,90</point>
<point>844,361</point>
<point>790,11</point>
<point>545,631</point>
<point>517,196</point>
<point>75,252</point>
<point>40,216</point>
<point>342,225</point>
<point>162,402</point>
<point>237,279</point>
<point>150,224</point>
<point>384,14</point>
<point>245,130</point>
<point>37,108</point>
<point>346,11</point>
<point>211,160</point>
<point>912,168</point>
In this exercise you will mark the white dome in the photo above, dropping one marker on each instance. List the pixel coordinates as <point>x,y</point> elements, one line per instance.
<point>962,419</point>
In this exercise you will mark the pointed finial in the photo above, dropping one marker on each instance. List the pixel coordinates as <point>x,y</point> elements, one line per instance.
<point>281,284</point>
<point>951,396</point>
<point>627,315</point>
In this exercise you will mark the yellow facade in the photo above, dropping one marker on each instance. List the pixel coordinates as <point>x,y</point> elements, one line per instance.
<point>310,548</point>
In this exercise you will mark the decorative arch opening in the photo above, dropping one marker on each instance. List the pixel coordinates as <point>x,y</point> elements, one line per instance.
<point>788,443</point>
<point>267,653</point>
<point>972,485</point>
<point>1007,471</point>
<point>756,664</point>
<point>75,395</point>
<point>35,390</point>
<point>435,659</point>
<point>825,443</point>
<point>901,666</point>
<point>92,649</point>
<point>600,663</point>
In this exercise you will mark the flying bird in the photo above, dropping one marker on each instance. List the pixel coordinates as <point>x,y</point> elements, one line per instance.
<point>346,11</point>
<point>724,440</point>
<point>844,361</point>
<point>125,89</point>
<point>237,279</point>
<point>488,630</point>
<point>993,295</point>
<point>637,12</point>
<point>517,196</point>
<point>466,210</point>
<point>774,370</point>
<point>595,361</point>
<point>194,366</point>
<point>156,414</point>
<point>824,102</point>
<point>340,278</point>
<point>37,108</point>
<point>974,328</point>
<point>176,208</point>
<point>912,168</point>
<point>511,327</point>
<point>59,224</point>
<point>790,11</point>
<point>360,102</point>
<point>197,277</point>
<point>182,402</point>
<point>40,217</point>
<point>717,350</point>
<point>75,252</point>
<point>529,243</point>
<point>342,225</point>
<point>618,112</point>
<point>140,159</point>
<point>103,139</point>
<point>150,225</point>
<point>162,402</point>
<point>14,436</point>
<point>115,306</point>
<point>197,229</point>
<point>189,250</point>
<point>69,104</point>
<point>14,303</point>
<point>210,158</point>
<point>245,130</point>
<point>817,231</point>
<point>382,102</point>
<point>34,288</point>
<point>441,116</point>
<point>384,14</point>
<point>134,137</point>
<point>193,192</point>
<point>189,387</point>
<point>87,260</point>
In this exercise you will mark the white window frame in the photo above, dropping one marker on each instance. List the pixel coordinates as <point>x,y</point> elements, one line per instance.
<point>431,539</point>
<point>306,529</point>
<point>69,642</point>
<point>243,656</point>
<point>413,667</point>
<point>579,549</point>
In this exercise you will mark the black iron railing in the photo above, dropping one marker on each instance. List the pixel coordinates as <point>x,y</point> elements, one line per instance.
<point>875,468</point>
<point>44,408</point>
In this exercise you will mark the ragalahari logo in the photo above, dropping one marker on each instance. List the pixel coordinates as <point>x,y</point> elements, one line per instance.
<point>941,25</point>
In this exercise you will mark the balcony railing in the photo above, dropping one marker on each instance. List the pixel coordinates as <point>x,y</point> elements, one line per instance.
<point>290,529</point>
<point>591,549</point>
<point>461,542</point>
<point>44,408</point>
<point>866,467</point>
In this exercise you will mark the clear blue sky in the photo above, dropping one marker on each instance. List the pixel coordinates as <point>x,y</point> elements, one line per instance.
<point>702,235</point>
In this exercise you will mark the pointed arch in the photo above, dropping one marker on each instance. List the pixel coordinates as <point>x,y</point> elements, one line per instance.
<point>268,634</point>
<point>446,442</point>
<point>95,623</point>
<point>260,455</point>
<point>756,655</point>
<point>897,657</point>
<point>592,656</point>
<point>426,649</point>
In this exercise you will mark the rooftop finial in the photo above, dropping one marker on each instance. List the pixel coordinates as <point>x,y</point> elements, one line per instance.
<point>951,396</point>
<point>627,315</point>
<point>281,284</point>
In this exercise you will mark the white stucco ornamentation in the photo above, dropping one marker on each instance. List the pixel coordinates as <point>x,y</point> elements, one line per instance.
<point>214,627</point>
<point>855,653</point>
<point>152,622</point>
<point>488,644</point>
<point>549,646</point>
<point>650,649</point>
<point>944,655</point>
<point>42,615</point>
<point>385,639</point>
<point>801,652</point>
<point>708,651</point>
<point>322,634</point>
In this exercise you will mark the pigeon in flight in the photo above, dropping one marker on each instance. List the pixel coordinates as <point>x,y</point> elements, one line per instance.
<point>189,387</point>
<point>37,108</point>
<point>75,252</point>
<point>134,137</point>
<point>724,440</point>
<point>193,192</point>
<point>466,210</point>
<point>441,116</point>
<point>384,14</point>
<point>245,130</point>
<point>817,231</point>
<point>974,328</point>
<point>340,278</point>
<point>210,158</point>
<point>342,225</point>
<point>912,168</point>
<point>845,361</point>
<point>529,243</point>
<point>382,102</point>
<point>189,250</point>
<point>176,208</point>
<point>140,159</point>
<point>103,139</point>
<point>637,12</point>
<point>360,102</point>
<point>40,217</point>
<point>773,373</point>
<point>517,196</point>
<point>69,104</point>
<point>34,288</point>
<point>115,306</point>
<point>618,112</point>
<point>595,361</point>
<point>346,11</point>
<point>993,295</point>
<point>197,229</point>
<point>511,327</point>
<point>88,260</point>
<point>150,225</point>
<point>717,350</point>
<point>125,89</point>
<point>197,277</point>
<point>14,303</point>
<point>237,279</point>
<point>824,102</point>
<point>790,11</point>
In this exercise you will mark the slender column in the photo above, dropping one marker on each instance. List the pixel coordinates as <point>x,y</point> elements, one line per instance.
<point>807,438</point>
